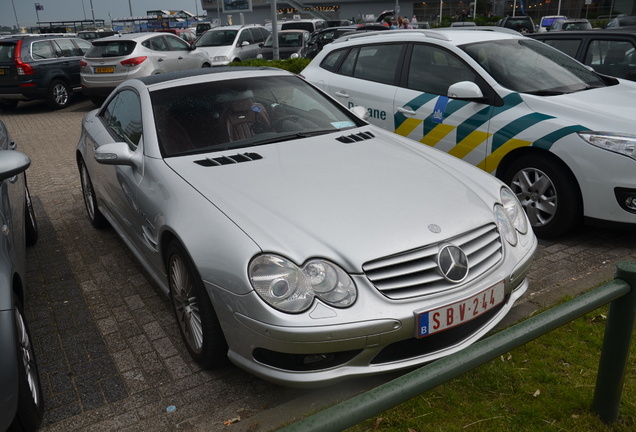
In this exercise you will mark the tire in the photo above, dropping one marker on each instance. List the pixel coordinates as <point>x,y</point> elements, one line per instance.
<point>30,399</point>
<point>96,217</point>
<point>548,192</point>
<point>206,65</point>
<point>7,105</point>
<point>524,30</point>
<point>59,95</point>
<point>30,223</point>
<point>198,322</point>
<point>97,100</point>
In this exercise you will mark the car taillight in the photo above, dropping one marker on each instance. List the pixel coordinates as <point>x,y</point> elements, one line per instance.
<point>23,68</point>
<point>135,61</point>
<point>83,63</point>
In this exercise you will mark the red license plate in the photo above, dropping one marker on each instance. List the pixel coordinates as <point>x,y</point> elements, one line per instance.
<point>460,312</point>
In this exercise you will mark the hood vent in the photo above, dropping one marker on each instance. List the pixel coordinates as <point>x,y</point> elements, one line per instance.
<point>348,139</point>
<point>229,160</point>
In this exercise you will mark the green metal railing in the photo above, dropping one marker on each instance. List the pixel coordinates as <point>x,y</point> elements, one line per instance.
<point>609,381</point>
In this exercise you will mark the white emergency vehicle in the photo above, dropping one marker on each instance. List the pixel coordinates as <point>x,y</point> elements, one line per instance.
<point>562,136</point>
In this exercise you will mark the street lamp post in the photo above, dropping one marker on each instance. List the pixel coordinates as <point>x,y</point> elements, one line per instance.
<point>16,16</point>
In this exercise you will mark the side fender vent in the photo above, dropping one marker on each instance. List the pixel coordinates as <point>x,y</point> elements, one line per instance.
<point>348,139</point>
<point>229,160</point>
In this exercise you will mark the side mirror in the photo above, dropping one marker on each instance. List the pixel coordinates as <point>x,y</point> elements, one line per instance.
<point>13,163</point>
<point>465,90</point>
<point>244,43</point>
<point>260,44</point>
<point>114,154</point>
<point>360,111</point>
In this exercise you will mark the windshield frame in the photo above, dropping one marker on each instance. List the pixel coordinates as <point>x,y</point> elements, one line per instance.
<point>275,108</point>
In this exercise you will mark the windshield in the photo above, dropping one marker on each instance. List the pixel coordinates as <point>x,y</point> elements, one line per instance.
<point>529,66</point>
<point>239,113</point>
<point>215,38</point>
<point>547,22</point>
<point>286,40</point>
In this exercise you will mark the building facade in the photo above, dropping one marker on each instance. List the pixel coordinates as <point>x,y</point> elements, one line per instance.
<point>423,10</point>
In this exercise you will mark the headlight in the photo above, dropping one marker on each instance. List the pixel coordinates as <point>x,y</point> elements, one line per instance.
<point>505,226</point>
<point>259,56</point>
<point>622,144</point>
<point>289,288</point>
<point>220,59</point>
<point>510,216</point>
<point>515,210</point>
<point>294,55</point>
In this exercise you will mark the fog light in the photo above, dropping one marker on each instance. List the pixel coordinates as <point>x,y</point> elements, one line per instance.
<point>626,198</point>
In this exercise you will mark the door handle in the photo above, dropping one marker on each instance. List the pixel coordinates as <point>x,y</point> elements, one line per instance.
<point>180,58</point>
<point>160,60</point>
<point>406,110</point>
<point>342,94</point>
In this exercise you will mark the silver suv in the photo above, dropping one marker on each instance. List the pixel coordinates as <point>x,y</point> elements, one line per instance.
<point>233,43</point>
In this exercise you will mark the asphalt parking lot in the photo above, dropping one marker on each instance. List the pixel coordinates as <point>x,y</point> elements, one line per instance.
<point>109,350</point>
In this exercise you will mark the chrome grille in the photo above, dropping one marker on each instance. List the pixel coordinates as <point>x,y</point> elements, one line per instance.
<point>415,273</point>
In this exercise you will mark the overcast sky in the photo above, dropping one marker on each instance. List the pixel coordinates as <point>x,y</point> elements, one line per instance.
<point>71,10</point>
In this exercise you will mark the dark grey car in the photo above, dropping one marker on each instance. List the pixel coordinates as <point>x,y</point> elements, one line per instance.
<point>40,67</point>
<point>21,400</point>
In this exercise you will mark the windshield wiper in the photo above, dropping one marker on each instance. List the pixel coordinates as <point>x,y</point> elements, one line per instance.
<point>289,137</point>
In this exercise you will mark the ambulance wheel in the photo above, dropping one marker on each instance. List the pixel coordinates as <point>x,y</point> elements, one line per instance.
<point>548,192</point>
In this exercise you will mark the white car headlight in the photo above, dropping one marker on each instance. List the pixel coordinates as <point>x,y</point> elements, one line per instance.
<point>294,55</point>
<point>622,144</point>
<point>510,216</point>
<point>289,288</point>
<point>515,211</point>
<point>219,59</point>
<point>505,225</point>
<point>259,56</point>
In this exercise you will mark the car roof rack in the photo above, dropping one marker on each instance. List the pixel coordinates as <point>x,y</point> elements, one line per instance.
<point>358,34</point>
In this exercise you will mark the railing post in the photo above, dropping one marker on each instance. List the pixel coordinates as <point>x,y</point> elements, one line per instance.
<point>616,345</point>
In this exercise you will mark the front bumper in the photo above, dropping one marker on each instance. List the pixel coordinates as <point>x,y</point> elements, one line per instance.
<point>325,345</point>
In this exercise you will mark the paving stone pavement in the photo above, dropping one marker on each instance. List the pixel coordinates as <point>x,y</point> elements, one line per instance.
<point>108,347</point>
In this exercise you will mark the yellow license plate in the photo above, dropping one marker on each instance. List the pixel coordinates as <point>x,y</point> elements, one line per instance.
<point>110,69</point>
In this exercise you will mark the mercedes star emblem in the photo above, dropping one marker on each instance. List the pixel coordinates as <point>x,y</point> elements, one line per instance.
<point>453,263</point>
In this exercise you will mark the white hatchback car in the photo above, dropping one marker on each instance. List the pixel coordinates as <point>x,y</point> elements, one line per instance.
<point>562,136</point>
<point>115,59</point>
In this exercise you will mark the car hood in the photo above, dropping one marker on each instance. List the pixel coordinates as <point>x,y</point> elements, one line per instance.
<point>346,202</point>
<point>609,109</point>
<point>215,51</point>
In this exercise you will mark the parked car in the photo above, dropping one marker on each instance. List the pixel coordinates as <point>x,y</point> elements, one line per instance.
<point>521,23</point>
<point>610,52</point>
<point>546,21</point>
<point>186,34</point>
<point>233,43</point>
<point>36,67</point>
<point>570,24</point>
<point>311,25</point>
<point>293,237</point>
<point>291,44</point>
<point>89,35</point>
<point>622,21</point>
<point>561,135</point>
<point>203,26</point>
<point>338,23</point>
<point>322,37</point>
<point>115,59</point>
<point>421,25</point>
<point>22,406</point>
